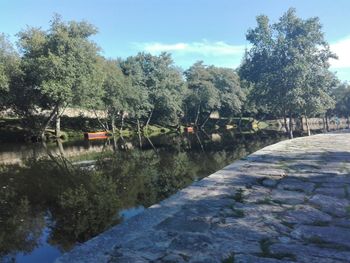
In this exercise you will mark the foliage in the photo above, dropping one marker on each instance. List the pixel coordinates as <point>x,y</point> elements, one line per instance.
<point>288,66</point>
<point>9,68</point>
<point>59,66</point>
<point>212,88</point>
<point>342,98</point>
<point>159,84</point>
<point>285,73</point>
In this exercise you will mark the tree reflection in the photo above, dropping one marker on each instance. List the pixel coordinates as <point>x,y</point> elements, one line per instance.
<point>84,202</point>
<point>20,225</point>
<point>84,211</point>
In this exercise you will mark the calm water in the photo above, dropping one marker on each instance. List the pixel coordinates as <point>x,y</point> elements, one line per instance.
<point>52,198</point>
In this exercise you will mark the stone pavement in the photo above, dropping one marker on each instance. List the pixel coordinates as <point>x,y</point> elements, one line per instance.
<point>288,202</point>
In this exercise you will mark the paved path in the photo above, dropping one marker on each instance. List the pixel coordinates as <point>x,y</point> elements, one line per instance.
<point>288,202</point>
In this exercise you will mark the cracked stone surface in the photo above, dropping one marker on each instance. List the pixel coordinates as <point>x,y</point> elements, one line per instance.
<point>288,202</point>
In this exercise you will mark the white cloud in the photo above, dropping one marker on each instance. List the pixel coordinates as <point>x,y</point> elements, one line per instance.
<point>204,48</point>
<point>220,53</point>
<point>342,49</point>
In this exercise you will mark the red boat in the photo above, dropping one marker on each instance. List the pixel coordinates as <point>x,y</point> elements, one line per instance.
<point>95,135</point>
<point>189,129</point>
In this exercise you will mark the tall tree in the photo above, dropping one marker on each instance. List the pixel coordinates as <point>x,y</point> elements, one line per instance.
<point>9,68</point>
<point>212,88</point>
<point>161,81</point>
<point>342,97</point>
<point>59,67</point>
<point>118,92</point>
<point>288,64</point>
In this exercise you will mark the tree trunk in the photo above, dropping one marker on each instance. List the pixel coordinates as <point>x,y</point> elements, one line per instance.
<point>327,124</point>
<point>52,115</point>
<point>307,126</point>
<point>139,132</point>
<point>200,142</point>
<point>285,123</point>
<point>291,136</point>
<point>60,147</point>
<point>202,126</point>
<point>197,116</point>
<point>101,123</point>
<point>58,124</point>
<point>301,126</point>
<point>115,145</point>
<point>122,125</point>
<point>149,119</point>
<point>113,123</point>
<point>152,145</point>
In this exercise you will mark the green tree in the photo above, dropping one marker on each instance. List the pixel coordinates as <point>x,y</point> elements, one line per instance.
<point>116,90</point>
<point>231,94</point>
<point>342,97</point>
<point>288,65</point>
<point>161,84</point>
<point>203,97</point>
<point>9,68</point>
<point>59,68</point>
<point>212,88</point>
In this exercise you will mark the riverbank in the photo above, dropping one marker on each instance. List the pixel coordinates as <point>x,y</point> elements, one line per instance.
<point>288,202</point>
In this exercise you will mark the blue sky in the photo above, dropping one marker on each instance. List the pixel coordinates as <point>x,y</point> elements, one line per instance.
<point>212,31</point>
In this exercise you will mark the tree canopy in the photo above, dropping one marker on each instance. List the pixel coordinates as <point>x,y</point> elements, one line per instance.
<point>59,66</point>
<point>210,89</point>
<point>160,82</point>
<point>9,68</point>
<point>284,73</point>
<point>288,64</point>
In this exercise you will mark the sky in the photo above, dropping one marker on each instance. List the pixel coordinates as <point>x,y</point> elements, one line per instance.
<point>191,30</point>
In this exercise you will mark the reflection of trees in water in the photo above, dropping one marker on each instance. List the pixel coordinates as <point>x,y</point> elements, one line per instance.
<point>151,177</point>
<point>20,224</point>
<point>82,202</point>
<point>84,211</point>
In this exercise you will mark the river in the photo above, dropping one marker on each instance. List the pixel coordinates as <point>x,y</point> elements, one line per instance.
<point>53,198</point>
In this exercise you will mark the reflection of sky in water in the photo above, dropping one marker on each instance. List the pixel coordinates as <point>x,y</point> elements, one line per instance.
<point>48,253</point>
<point>44,253</point>
<point>130,212</point>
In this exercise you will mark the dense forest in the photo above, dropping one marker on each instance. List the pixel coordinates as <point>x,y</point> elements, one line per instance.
<point>284,74</point>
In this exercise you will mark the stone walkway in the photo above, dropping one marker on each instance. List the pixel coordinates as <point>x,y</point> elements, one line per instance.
<point>288,202</point>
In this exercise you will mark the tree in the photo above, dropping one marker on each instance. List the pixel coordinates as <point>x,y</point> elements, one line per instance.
<point>342,97</point>
<point>9,68</point>
<point>118,92</point>
<point>203,97</point>
<point>59,66</point>
<point>231,94</point>
<point>161,81</point>
<point>288,65</point>
<point>212,88</point>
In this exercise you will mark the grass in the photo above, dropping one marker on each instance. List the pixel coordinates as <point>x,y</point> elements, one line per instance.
<point>239,213</point>
<point>239,196</point>
<point>347,209</point>
<point>230,259</point>
<point>266,201</point>
<point>320,223</point>
<point>154,130</point>
<point>346,190</point>
<point>265,244</point>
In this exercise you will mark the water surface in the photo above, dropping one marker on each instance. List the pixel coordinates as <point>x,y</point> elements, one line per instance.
<point>54,197</point>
